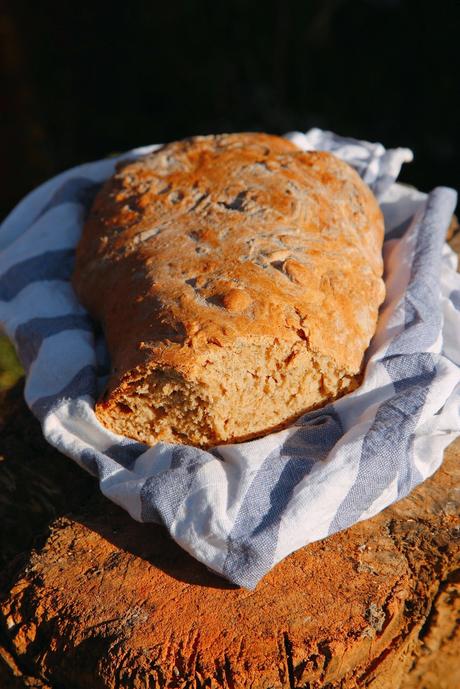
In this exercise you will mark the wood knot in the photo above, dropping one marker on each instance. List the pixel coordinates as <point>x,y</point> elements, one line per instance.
<point>236,300</point>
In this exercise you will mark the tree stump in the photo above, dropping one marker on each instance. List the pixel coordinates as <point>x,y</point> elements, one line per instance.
<point>102,602</point>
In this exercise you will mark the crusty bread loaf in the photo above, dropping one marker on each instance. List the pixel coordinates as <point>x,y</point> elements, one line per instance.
<point>237,280</point>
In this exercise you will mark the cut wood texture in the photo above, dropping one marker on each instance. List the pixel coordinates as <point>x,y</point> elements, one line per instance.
<point>102,602</point>
<point>105,602</point>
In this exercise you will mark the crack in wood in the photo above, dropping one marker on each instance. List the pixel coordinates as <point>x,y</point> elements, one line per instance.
<point>289,661</point>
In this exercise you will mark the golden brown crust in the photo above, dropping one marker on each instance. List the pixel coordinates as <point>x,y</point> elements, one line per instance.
<point>214,254</point>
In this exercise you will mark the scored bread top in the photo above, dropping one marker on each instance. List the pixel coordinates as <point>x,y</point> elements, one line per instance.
<point>231,238</point>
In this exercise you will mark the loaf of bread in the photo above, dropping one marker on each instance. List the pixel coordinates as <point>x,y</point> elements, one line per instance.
<point>237,280</point>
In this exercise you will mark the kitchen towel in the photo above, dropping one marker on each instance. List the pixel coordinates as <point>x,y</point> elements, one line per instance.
<point>241,508</point>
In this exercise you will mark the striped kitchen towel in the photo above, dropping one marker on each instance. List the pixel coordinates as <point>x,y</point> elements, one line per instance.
<point>241,508</point>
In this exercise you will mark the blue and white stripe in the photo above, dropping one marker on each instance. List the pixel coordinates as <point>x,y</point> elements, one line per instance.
<point>241,508</point>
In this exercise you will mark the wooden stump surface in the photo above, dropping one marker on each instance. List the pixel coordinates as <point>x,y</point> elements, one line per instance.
<point>102,601</point>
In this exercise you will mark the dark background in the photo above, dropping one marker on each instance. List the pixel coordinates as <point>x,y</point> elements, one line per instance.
<point>83,80</point>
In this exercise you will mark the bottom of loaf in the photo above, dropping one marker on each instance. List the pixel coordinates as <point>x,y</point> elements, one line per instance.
<point>229,395</point>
